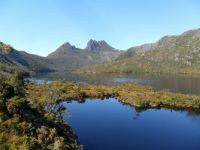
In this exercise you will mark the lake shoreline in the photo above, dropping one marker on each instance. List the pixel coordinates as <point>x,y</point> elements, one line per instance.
<point>137,95</point>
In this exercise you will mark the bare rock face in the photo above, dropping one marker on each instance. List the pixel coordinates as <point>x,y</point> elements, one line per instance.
<point>94,45</point>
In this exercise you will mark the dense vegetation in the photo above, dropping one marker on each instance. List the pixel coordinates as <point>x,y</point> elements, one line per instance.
<point>137,95</point>
<point>26,123</point>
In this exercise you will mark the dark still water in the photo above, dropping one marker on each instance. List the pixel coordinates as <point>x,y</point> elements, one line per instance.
<point>109,125</point>
<point>176,83</point>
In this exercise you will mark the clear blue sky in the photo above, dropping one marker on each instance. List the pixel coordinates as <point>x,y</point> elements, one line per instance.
<point>40,26</point>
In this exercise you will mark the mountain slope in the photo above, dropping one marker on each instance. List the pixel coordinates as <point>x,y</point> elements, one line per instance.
<point>68,57</point>
<point>12,60</point>
<point>171,54</point>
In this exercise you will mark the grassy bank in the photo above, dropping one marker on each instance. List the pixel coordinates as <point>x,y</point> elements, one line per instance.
<point>137,95</point>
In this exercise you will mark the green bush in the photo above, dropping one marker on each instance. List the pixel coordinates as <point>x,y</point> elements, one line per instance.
<point>16,105</point>
<point>25,124</point>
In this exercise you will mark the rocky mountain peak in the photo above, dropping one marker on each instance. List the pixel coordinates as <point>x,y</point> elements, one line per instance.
<point>94,45</point>
<point>67,46</point>
<point>63,50</point>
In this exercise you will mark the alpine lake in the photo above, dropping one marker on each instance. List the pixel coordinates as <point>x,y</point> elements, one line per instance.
<point>111,125</point>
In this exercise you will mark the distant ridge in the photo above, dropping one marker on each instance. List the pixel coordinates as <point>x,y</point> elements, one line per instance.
<point>68,57</point>
<point>171,54</point>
